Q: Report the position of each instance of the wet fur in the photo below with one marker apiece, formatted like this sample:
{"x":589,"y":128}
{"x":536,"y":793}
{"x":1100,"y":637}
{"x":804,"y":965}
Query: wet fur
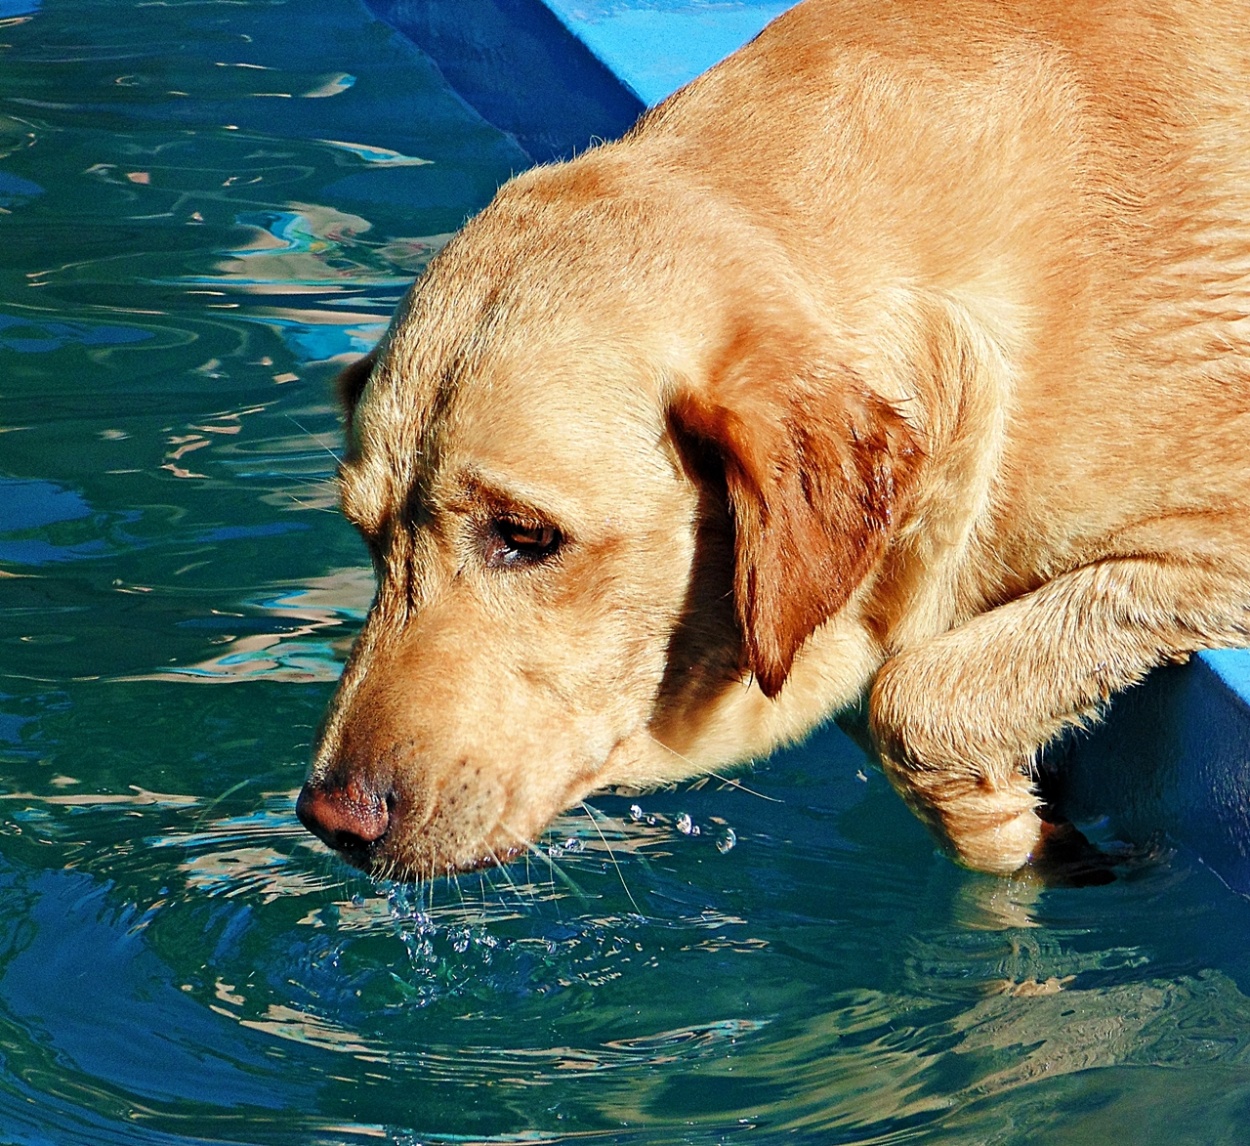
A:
{"x":903,"y":354}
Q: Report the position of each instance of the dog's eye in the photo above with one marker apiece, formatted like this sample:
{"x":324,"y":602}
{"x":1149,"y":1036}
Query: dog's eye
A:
{"x":511,"y":542}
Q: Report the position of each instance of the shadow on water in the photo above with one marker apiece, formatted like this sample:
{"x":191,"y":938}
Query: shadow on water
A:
{"x":205,"y":208}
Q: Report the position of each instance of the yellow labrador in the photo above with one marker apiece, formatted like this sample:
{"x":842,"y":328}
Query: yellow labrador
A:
{"x":905,"y":352}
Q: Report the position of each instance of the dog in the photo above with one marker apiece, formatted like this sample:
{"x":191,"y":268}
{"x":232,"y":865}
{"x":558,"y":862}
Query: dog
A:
{"x":904,"y":355}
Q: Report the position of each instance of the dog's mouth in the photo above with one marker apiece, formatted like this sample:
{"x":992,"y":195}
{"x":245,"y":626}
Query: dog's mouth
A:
{"x":392,"y":831}
{"x":482,"y":863}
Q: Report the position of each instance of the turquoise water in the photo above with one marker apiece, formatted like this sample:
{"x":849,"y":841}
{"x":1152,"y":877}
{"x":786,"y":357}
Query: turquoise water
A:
{"x":203,"y":205}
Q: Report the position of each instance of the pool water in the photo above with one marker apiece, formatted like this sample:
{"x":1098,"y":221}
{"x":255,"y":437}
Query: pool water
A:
{"x":205,"y":207}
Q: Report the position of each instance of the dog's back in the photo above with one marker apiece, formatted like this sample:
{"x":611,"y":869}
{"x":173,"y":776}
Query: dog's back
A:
{"x":1075,"y":176}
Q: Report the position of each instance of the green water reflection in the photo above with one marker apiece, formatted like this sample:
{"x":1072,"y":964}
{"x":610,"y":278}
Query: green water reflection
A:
{"x":205,"y":207}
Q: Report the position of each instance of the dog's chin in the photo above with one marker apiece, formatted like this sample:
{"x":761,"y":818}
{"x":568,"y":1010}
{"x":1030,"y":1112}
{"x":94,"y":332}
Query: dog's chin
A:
{"x":381,"y":863}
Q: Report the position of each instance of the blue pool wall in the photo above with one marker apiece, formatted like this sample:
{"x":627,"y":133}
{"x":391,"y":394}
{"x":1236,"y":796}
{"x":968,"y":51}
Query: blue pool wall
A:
{"x":1171,"y":762}
{"x":518,"y":65}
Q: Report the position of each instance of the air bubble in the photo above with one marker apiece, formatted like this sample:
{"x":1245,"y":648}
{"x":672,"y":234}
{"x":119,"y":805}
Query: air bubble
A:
{"x":635,"y":812}
{"x":685,"y":824}
{"x":727,"y":840}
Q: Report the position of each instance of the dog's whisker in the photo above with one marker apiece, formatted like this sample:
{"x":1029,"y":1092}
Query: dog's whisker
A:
{"x":317,"y":438}
{"x":455,"y":882}
{"x":500,"y":869}
{"x":553,"y":866}
{"x":205,"y":809}
{"x":491,"y":874}
{"x":590,"y":815}
{"x":730,"y":782}
{"x":310,"y":508}
{"x":727,"y":780}
{"x":672,"y":751}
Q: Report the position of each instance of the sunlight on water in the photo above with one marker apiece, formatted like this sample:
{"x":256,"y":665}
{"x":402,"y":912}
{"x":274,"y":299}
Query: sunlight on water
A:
{"x":207,"y":207}
{"x":332,"y":604}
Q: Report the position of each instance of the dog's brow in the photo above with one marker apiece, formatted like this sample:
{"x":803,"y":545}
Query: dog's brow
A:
{"x":496,"y":502}
{"x":478,"y":492}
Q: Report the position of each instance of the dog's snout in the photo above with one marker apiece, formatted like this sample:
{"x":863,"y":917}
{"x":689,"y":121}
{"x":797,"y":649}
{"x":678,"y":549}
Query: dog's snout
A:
{"x":351,"y":818}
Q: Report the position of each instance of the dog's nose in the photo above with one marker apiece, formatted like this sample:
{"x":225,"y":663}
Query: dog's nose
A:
{"x":350,"y":818}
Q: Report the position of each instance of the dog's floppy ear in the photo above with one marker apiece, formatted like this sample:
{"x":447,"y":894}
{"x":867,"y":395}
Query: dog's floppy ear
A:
{"x":349,"y":386}
{"x":351,"y":382}
{"x":815,"y":465}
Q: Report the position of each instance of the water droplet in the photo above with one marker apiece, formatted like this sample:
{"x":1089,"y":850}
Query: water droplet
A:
{"x":684,"y":824}
{"x":635,"y":812}
{"x":574,"y":846}
{"x":727,"y":840}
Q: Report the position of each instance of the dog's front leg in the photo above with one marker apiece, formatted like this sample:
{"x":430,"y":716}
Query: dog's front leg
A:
{"x":959,"y":719}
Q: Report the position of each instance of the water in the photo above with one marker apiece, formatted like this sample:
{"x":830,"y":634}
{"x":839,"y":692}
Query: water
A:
{"x":204,"y":205}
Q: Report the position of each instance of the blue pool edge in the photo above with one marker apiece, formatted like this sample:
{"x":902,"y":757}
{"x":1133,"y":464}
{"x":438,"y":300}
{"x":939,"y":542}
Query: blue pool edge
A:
{"x":1171,"y":761}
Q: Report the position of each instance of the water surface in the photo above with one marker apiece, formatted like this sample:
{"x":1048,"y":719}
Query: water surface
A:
{"x":205,"y":208}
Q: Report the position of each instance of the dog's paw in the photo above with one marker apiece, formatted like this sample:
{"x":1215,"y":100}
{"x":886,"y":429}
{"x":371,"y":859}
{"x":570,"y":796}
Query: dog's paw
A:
{"x":997,"y":837}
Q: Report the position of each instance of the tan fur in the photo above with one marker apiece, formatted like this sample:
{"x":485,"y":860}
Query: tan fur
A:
{"x":905,"y":352}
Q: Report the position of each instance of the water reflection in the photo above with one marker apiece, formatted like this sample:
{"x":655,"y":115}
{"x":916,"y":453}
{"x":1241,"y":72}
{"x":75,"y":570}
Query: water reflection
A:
{"x":29,"y":335}
{"x":1011,"y":999}
{"x":308,"y":633}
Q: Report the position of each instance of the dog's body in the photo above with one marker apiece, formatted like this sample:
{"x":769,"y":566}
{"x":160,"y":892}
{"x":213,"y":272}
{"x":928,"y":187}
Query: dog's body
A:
{"x":907,"y":350}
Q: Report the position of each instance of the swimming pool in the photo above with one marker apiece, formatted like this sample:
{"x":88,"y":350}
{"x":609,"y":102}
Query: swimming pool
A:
{"x":204,"y":206}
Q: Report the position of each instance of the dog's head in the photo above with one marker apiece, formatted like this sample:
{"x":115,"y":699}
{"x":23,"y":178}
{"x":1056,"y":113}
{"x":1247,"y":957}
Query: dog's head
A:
{"x":611,"y":484}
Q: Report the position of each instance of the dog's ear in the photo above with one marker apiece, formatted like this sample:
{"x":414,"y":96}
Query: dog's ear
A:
{"x":815,"y":465}
{"x":351,"y":383}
